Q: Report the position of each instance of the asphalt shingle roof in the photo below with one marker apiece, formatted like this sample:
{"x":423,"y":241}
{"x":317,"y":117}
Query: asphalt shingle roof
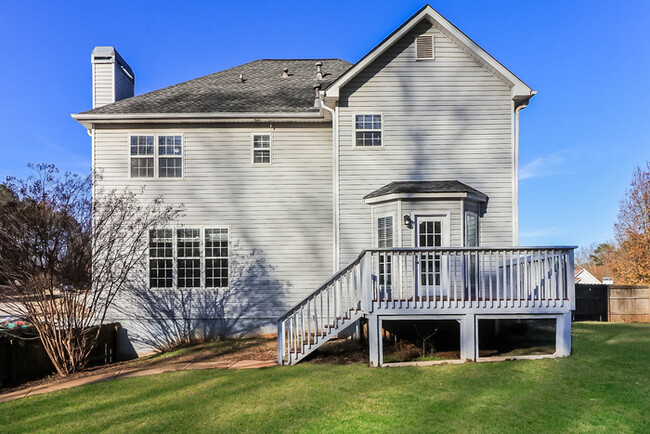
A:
{"x":452,"y":186}
{"x":263,"y":90}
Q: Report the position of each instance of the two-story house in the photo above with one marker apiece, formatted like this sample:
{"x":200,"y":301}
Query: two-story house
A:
{"x":324,"y":193}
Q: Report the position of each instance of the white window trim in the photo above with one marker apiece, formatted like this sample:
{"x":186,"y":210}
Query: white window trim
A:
{"x":131,"y":157}
{"x":148,"y":259}
{"x":156,"y":155}
{"x":271,"y":148}
{"x":478,"y":232}
{"x":433,"y":48}
{"x":354,"y":131}
{"x":202,"y":258}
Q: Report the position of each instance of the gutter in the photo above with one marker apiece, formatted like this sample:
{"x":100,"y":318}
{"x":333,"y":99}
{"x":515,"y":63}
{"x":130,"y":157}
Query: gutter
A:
{"x":87,"y":119}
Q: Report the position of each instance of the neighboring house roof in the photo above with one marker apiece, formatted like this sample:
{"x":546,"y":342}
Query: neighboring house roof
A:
{"x":584,"y":276}
{"x":414,"y":188}
{"x":262,"y":91}
{"x":521,"y":92}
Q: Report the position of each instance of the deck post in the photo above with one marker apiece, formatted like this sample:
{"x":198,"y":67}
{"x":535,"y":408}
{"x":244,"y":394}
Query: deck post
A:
{"x":571,"y":284}
{"x":374,"y":339}
{"x":468,"y":342}
{"x":365,"y":269}
{"x":563,"y":335}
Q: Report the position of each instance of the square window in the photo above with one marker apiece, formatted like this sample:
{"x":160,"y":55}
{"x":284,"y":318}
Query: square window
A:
{"x":142,"y":167}
{"x":368,"y":130}
{"x":170,"y":167}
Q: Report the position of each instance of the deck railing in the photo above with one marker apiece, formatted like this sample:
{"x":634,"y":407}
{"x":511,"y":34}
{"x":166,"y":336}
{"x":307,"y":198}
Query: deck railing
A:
{"x":477,"y":278}
{"x":429,"y":280}
{"x":334,"y":305}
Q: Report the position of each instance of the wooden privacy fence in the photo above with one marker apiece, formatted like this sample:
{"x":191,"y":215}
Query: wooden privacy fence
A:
{"x":629,"y":304}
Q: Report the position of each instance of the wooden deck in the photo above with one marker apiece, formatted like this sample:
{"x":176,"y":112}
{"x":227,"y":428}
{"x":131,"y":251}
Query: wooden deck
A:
{"x":460,"y":283}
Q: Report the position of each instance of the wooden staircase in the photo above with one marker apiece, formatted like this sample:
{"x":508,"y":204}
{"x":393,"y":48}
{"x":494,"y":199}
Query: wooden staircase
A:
{"x":322,"y":315}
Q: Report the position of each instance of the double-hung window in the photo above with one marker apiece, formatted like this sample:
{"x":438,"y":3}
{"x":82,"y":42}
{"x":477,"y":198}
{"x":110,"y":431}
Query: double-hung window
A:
{"x":188,"y":244}
{"x":161,"y":258}
{"x":367,"y":130}
{"x":142,"y":157}
{"x":170,"y":156}
{"x":162,"y":161}
{"x":261,"y":149}
{"x":216,"y":258}
{"x":188,"y":258}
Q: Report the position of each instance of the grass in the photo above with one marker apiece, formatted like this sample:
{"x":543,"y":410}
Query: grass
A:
{"x":604,"y":387}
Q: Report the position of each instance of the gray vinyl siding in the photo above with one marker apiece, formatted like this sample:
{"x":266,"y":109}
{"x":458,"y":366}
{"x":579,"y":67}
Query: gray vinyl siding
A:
{"x":103,"y":79}
{"x":279,"y":215}
{"x":123,"y":84}
{"x":447,"y":118}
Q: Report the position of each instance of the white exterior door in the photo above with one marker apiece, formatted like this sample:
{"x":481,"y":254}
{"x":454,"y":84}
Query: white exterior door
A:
{"x":431,"y":231}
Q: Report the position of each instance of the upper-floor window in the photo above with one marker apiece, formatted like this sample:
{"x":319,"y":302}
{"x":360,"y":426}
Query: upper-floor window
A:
{"x":367,"y":130}
{"x":261,"y":149}
{"x":170,"y":156}
{"x":164,"y":160}
{"x":142,"y":157}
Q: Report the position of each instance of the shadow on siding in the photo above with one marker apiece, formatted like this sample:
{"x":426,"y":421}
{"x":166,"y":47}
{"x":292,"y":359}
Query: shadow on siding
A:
{"x":157,"y":319}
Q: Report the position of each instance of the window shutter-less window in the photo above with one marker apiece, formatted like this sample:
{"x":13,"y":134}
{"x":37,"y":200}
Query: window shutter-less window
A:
{"x":424,"y":47}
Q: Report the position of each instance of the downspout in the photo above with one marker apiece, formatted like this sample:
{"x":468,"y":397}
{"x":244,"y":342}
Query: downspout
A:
{"x":335,"y":183}
{"x":515,"y":163}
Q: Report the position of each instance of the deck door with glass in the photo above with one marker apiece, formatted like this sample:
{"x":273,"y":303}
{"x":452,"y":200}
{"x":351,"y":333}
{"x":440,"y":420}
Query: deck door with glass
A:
{"x":431,"y":232}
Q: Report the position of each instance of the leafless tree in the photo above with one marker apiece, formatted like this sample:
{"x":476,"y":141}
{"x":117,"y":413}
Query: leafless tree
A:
{"x":64,"y":257}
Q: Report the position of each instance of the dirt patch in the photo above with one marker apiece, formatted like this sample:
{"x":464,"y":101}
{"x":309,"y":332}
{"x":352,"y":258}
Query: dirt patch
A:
{"x":340,"y":352}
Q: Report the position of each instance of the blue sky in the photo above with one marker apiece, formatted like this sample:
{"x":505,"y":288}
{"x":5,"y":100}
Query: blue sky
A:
{"x":581,"y":137}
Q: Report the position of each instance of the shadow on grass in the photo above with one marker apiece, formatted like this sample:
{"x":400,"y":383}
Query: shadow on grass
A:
{"x":582,"y":392}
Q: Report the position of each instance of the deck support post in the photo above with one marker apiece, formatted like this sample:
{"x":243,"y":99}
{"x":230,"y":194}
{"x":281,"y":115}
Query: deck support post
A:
{"x":374,"y":340}
{"x":563,"y":335}
{"x":468,"y":337}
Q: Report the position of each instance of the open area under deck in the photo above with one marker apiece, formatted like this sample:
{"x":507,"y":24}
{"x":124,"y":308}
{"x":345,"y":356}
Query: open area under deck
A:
{"x":462,"y":284}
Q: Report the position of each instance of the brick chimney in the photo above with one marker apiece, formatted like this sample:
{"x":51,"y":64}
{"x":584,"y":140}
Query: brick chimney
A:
{"x":113,"y":78}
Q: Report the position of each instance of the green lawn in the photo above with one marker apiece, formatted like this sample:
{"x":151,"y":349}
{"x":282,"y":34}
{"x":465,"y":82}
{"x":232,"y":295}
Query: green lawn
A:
{"x":604,"y":386}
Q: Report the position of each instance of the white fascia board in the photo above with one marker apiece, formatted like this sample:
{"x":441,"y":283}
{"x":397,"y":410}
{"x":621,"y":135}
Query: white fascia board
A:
{"x":519,"y":89}
{"x":406,"y":196}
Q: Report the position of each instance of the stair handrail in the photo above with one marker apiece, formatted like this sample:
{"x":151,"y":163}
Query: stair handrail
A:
{"x":324,"y":285}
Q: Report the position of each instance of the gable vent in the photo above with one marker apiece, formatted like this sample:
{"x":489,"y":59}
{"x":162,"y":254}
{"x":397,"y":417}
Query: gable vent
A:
{"x":424,"y":47}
